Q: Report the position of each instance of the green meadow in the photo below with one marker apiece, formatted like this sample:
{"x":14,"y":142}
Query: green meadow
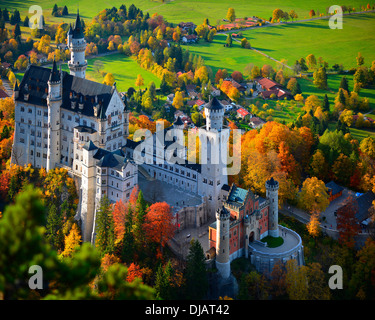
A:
{"x":234,"y":58}
{"x":185,"y":10}
{"x":295,"y":40}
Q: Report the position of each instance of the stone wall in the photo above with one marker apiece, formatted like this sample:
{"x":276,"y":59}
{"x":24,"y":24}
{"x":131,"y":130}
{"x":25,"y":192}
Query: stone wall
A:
{"x":192,"y":216}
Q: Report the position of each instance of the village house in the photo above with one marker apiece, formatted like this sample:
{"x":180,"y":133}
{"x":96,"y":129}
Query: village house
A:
{"x":272,"y":89}
{"x":190,"y":38}
{"x":334,"y":190}
{"x":256,"y":122}
{"x":186,"y":26}
{"x":243,"y":113}
{"x":227,"y":105}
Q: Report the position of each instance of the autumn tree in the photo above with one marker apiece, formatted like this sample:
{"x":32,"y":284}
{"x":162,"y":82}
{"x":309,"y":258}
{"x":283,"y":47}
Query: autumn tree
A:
{"x":254,"y":286}
{"x":362,"y":282}
{"x":320,"y":78}
{"x":317,"y":283}
{"x":277,"y":14}
{"x":318,"y":165}
{"x":139,"y":82}
{"x":114,"y":286}
{"x":178,"y":100}
{"x":72,"y":241}
{"x":119,"y":218}
{"x":347,"y":223}
{"x":159,"y":224}
{"x":296,"y":280}
{"x":313,"y":227}
{"x":278,"y":280}
{"x":109,"y":79}
{"x":231,"y":15}
{"x":313,"y":196}
{"x":360,"y":59}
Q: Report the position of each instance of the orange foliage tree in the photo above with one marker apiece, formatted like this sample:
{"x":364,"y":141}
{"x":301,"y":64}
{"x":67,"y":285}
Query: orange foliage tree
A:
{"x":159,"y":224}
{"x":347,"y":223}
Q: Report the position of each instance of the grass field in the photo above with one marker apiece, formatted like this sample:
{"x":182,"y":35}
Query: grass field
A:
{"x":235,"y":58}
{"x":293,"y":41}
{"x":184,"y":10}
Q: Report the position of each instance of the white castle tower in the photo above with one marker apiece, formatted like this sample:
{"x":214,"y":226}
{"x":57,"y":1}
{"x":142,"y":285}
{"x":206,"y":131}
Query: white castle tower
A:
{"x":272,"y":194}
{"x":222,"y":242}
{"x":77,"y":46}
{"x":214,"y":138}
{"x":54,"y":101}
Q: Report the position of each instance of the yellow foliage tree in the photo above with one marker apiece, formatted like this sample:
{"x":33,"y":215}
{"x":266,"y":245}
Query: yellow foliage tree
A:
{"x":313,"y":227}
{"x":72,"y":240}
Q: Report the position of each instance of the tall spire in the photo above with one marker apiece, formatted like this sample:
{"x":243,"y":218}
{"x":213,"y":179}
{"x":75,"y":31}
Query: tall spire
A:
{"x":78,"y":30}
{"x":54,"y":76}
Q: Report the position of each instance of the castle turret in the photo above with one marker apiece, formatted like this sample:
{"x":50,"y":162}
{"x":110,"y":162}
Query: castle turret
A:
{"x":222,"y":242}
{"x":77,"y":46}
{"x":178,"y":124}
{"x":272,"y":193}
{"x":214,"y":112}
{"x":54,"y":101}
{"x":16,"y":90}
{"x":213,"y":154}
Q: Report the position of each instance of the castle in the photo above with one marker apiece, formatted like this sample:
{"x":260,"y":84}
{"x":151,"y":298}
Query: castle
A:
{"x":245,"y":218}
{"x":64,"y":120}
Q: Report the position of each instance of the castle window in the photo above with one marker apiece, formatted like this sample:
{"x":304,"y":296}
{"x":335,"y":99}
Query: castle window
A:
{"x":38,"y":154}
{"x":211,"y":183}
{"x":22,"y":140}
{"x":30,"y":110}
{"x":22,"y":109}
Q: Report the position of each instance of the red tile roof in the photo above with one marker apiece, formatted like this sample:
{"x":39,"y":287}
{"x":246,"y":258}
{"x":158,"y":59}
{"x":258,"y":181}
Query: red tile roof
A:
{"x":3,"y":94}
{"x":243,"y":112}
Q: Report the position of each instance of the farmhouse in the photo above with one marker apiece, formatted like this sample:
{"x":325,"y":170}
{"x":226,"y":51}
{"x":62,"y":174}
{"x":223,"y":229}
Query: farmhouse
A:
{"x":242,"y":113}
{"x":190,"y":38}
{"x":186,"y":26}
{"x":334,"y":190}
{"x":256,"y":122}
{"x":272,"y":89}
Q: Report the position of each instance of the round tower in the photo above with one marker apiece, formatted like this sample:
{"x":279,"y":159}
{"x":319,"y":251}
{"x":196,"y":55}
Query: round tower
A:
{"x":214,"y":112}
{"x":77,"y":46}
{"x":272,"y":194}
{"x":222,"y":242}
{"x":54,"y":101}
